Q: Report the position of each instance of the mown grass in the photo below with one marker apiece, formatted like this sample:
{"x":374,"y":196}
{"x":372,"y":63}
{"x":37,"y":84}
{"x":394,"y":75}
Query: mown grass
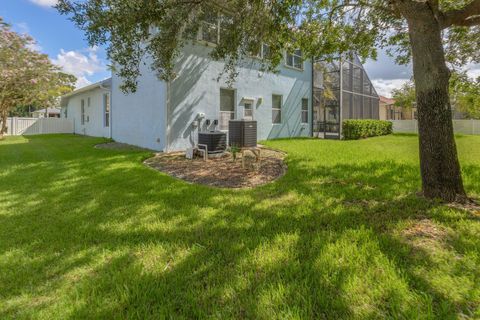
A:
{"x":89,"y":233}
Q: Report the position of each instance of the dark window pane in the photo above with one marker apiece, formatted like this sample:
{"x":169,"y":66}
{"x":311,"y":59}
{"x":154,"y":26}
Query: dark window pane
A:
{"x":304,"y":111}
{"x":276,"y":101}
{"x":276,"y":108}
{"x":276,"y":116}
{"x":227,"y":100}
{"x":210,"y":27}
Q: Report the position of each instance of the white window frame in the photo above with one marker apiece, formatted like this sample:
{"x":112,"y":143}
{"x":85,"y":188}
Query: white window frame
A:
{"x":216,"y":25}
{"x":106,"y":109}
{"x":303,"y":111}
{"x":294,"y":56}
{"x":261,"y":54}
{"x":232,"y":116}
{"x":245,"y":115}
{"x":82,"y":112}
{"x":277,"y":109}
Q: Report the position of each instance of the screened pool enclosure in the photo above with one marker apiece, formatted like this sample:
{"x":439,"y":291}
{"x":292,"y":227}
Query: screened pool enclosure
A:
{"x":341,"y":90}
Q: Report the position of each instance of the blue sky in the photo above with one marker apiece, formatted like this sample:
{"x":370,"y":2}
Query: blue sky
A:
{"x":66,"y":45}
{"x":58,"y":37}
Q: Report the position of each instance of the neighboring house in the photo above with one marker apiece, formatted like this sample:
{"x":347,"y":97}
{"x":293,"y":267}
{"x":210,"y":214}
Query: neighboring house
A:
{"x":389,"y":111}
{"x":46,"y":113}
{"x":167,"y":115}
{"x":89,"y":109}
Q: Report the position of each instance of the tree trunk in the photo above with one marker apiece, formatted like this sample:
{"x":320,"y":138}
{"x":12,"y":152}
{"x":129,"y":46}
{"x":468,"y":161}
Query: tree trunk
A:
{"x":3,"y":127}
{"x":440,"y":168}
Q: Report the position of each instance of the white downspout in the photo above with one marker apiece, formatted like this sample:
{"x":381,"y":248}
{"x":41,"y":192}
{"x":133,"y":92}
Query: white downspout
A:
{"x":167,"y":120}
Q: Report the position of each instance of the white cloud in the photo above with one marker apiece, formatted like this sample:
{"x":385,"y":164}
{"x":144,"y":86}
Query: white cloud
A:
{"x":45,"y":3}
{"x":384,"y":87}
{"x":80,"y":63}
{"x":473,"y":70}
{"x":386,"y":75}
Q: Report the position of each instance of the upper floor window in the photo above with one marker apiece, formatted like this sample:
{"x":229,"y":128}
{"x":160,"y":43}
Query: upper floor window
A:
{"x":294,"y":60}
{"x":262,"y":53}
{"x":210,"y":28}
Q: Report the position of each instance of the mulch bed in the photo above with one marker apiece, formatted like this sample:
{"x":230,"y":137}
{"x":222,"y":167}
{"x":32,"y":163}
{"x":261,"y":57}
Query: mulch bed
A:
{"x":223,"y":171}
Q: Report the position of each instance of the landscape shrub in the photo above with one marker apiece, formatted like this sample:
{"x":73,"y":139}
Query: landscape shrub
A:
{"x":359,"y":129}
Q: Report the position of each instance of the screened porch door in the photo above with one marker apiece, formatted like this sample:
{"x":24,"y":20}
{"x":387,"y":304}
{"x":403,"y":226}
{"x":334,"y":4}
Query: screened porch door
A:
{"x":326,"y":116}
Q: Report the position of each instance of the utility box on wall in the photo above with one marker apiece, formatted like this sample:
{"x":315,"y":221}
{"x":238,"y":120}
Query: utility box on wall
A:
{"x":242,"y":133}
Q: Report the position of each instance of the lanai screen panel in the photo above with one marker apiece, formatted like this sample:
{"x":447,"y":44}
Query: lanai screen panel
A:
{"x":360,"y":100}
{"x":326,"y":94}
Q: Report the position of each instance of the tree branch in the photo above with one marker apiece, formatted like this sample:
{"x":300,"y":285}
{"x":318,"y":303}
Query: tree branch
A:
{"x":466,"y":17}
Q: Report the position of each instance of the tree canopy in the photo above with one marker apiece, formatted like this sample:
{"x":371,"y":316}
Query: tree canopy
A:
{"x":27,"y":77}
{"x":132,"y":29}
{"x":464,"y":94}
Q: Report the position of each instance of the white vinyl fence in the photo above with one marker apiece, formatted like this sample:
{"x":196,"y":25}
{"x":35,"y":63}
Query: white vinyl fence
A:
{"x":29,"y":126}
{"x":459,"y":126}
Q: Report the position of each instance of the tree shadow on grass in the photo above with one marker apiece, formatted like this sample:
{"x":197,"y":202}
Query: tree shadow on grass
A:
{"x":107,"y":237}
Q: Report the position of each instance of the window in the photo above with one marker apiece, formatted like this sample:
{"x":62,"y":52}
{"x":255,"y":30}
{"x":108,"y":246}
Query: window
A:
{"x":294,"y":60}
{"x":106,"y":109}
{"x":248,"y":110}
{"x":212,"y":26}
{"x":276,"y":108}
{"x":304,"y":110}
{"x":227,"y":107}
{"x":66,"y":112}
{"x":209,"y":29}
{"x":82,"y":111}
{"x":262,"y":53}
{"x":88,"y":102}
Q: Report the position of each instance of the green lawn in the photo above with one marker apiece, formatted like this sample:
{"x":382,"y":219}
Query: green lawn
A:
{"x":88,"y":233}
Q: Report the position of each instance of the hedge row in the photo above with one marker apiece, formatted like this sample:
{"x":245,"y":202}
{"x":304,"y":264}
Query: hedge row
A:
{"x":358,"y":129}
